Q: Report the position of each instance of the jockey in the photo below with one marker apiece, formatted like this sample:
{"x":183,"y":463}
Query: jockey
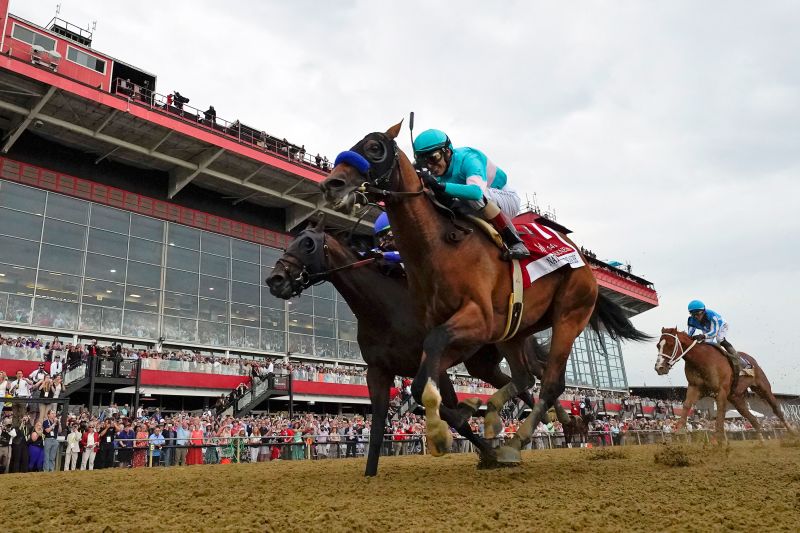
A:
{"x":384,"y":239}
{"x":468,"y":175}
{"x":714,"y":328}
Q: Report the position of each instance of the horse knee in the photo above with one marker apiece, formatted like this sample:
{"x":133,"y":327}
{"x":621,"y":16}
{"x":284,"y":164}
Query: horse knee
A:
{"x":551,"y":391}
{"x":417,"y":387}
{"x":436,"y":341}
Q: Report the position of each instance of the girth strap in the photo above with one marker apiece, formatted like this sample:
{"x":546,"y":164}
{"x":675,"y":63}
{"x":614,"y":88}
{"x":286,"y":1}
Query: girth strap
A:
{"x":515,"y":302}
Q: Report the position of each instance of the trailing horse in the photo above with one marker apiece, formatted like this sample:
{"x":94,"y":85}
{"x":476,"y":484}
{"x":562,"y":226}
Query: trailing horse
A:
{"x":462,"y":289}
{"x":389,"y":333}
{"x":709,"y":373}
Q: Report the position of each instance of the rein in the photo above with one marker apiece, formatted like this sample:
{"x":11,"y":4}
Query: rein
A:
{"x":675,"y":357}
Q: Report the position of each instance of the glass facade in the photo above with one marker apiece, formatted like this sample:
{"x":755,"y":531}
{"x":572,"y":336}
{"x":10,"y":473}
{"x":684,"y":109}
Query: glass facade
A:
{"x":83,"y":267}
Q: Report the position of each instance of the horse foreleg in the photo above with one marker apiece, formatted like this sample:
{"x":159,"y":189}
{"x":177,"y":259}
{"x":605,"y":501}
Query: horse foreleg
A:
{"x":378,"y":382}
{"x":459,"y":420}
{"x":692,"y":395}
{"x":722,"y":403}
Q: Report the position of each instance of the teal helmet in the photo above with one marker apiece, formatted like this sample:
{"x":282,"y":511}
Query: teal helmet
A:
{"x":430,"y":140}
{"x":382,"y":224}
{"x":696,"y":305}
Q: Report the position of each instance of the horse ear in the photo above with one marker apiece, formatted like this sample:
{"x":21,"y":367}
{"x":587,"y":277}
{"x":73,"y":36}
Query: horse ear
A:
{"x":663,"y":330}
{"x":318,"y":221}
{"x":394,"y":131}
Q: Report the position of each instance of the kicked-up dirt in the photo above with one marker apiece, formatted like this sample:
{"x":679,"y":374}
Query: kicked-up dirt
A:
{"x":745,"y":487}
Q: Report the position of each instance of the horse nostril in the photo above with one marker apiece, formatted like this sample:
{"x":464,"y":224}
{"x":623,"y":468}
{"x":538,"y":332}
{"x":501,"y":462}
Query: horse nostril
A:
{"x":335,"y":183}
{"x":274,"y":280}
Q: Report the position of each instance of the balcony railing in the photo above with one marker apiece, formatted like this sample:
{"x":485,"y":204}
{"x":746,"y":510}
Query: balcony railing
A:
{"x":258,"y":139}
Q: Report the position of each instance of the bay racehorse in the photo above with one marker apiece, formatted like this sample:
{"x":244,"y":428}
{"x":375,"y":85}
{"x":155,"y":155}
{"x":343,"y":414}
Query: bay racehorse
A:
{"x":462,"y":290}
{"x":709,"y":373}
{"x":389,"y":333}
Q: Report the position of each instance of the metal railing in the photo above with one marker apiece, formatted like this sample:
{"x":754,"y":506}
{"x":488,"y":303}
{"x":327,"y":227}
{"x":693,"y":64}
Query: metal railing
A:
{"x":176,"y":365}
{"x":23,"y":353}
{"x":240,"y":449}
{"x":259,"y":140}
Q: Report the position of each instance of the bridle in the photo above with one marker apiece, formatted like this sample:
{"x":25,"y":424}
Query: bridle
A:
{"x":306,"y":278}
{"x":670,"y":361}
{"x":378,"y":168}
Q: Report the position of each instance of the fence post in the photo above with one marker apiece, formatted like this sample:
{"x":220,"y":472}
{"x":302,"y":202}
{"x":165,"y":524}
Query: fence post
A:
{"x":638,"y":438}
{"x":151,"y":455}
{"x":238,"y":454}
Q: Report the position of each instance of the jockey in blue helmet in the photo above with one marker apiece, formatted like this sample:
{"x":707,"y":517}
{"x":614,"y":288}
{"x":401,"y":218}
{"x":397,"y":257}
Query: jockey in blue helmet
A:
{"x":468,"y":175}
{"x":714,"y":329}
{"x":384,"y":239}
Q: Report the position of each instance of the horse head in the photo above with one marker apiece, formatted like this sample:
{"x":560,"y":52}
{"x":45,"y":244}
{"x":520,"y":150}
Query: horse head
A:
{"x":670,"y":349}
{"x":302,"y":264}
{"x":370,"y":163}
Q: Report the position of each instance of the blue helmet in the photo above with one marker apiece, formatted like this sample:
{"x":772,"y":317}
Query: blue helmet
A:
{"x":382,"y":224}
{"x":430,"y":140}
{"x":696,"y":305}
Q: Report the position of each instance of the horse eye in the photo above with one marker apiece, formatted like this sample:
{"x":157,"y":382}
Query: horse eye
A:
{"x":375,"y":151}
{"x":308,"y":244}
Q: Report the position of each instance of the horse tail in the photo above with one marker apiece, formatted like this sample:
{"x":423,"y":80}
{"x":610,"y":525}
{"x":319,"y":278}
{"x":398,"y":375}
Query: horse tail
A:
{"x":611,"y":317}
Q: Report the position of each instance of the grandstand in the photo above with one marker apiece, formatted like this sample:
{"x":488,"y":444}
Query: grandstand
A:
{"x":130,"y":217}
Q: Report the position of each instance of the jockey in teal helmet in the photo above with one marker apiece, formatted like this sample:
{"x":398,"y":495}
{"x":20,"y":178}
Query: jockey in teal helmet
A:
{"x":384,"y":239}
{"x":714,"y":329}
{"x":468,"y":175}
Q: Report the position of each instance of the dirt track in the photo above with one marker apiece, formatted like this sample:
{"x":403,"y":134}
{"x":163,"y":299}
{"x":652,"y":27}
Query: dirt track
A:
{"x":755,"y":488}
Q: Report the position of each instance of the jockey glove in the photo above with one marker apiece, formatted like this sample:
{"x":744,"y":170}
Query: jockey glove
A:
{"x":699,"y":338}
{"x":431,"y":182}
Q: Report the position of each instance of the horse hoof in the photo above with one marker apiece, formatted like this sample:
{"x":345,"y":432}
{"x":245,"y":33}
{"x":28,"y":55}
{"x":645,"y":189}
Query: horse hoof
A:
{"x":508,"y":456}
{"x":471,"y":404}
{"x":492,"y":425}
{"x":440,"y":440}
{"x":488,"y":462}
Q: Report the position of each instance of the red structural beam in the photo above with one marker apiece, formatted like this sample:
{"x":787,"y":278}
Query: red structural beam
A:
{"x":624,"y":286}
{"x":162,"y":119}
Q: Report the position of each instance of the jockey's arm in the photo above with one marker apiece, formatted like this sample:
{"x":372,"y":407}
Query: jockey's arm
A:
{"x":475,"y":183}
{"x":716,"y":323}
{"x":392,"y":257}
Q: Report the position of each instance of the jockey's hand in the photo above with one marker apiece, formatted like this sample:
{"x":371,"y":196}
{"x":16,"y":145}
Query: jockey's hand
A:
{"x":430,"y":181}
{"x":699,"y":338}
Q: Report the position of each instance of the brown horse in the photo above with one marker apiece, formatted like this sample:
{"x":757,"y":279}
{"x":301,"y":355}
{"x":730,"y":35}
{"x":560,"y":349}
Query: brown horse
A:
{"x":389,"y":334}
{"x":462,"y":291}
{"x":709,"y":373}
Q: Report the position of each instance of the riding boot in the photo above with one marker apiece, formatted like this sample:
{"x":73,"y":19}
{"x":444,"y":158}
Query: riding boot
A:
{"x":733,"y":355}
{"x":505,"y":227}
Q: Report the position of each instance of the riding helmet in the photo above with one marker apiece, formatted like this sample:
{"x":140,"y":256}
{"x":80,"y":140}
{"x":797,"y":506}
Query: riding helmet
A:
{"x":430,"y":140}
{"x":696,"y":305}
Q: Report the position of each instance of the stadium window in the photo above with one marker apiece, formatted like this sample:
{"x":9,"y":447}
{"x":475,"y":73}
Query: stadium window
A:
{"x":21,"y":33}
{"x":86,"y":60}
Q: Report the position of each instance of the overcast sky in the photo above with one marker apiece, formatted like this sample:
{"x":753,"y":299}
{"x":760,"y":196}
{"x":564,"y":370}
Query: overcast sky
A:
{"x":666,"y":134}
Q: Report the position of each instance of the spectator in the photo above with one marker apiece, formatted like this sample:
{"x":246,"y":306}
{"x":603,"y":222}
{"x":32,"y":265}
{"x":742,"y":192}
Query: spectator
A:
{"x":50,"y":428}
{"x":195,"y":455}
{"x":210,"y":116}
{"x":20,"y":388}
{"x":156,"y":444}
{"x":35,"y":449}
{"x":182,"y":434}
{"x":209,"y":439}
{"x":107,"y":434}
{"x":73,"y":448}
{"x":140,"y":448}
{"x":56,"y":367}
{"x":169,"y":434}
{"x":89,"y":443}
{"x":124,"y":443}
{"x":5,"y":445}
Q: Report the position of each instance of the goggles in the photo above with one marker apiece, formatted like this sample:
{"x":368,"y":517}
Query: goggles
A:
{"x":432,"y":158}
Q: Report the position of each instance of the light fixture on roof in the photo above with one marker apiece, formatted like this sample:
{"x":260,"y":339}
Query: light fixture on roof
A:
{"x":113,"y":271}
{"x":108,"y":291}
{"x":135,"y":296}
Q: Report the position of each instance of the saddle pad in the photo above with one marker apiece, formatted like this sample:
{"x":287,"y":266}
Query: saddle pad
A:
{"x":549,"y":252}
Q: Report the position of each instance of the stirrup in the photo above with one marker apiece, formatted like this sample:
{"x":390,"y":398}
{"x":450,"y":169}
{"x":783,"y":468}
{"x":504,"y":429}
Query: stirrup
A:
{"x":518,"y":251}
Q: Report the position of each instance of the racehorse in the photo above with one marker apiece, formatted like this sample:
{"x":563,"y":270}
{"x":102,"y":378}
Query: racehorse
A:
{"x":709,"y":373}
{"x":389,"y":333}
{"x":463,"y":290}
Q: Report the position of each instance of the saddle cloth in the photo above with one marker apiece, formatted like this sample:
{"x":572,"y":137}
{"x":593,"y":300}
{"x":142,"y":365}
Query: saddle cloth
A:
{"x":549,"y":252}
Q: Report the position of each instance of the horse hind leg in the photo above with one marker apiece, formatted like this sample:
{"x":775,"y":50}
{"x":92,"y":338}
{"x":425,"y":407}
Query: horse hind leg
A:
{"x":762,"y":387}
{"x":741,"y":405}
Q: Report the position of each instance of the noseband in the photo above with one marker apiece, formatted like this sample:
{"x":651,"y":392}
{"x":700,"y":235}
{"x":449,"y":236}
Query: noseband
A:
{"x":675,"y":357}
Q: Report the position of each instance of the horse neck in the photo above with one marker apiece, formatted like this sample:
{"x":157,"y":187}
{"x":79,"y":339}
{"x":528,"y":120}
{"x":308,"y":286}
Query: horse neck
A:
{"x":365,"y":289}
{"x":417,"y":226}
